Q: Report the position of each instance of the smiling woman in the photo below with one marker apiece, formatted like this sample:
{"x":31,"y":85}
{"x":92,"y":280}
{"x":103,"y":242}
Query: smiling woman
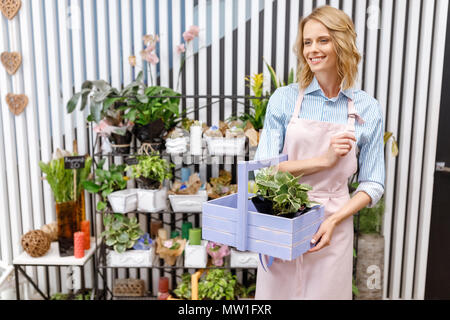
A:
{"x":317,"y":124}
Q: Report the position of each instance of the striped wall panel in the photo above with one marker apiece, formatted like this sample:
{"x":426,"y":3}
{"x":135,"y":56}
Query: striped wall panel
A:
{"x":66,"y":42}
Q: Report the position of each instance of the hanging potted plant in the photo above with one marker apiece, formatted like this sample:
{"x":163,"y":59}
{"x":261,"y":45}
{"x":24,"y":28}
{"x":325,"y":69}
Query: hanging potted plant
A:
{"x":150,"y":173}
{"x":281,"y":194}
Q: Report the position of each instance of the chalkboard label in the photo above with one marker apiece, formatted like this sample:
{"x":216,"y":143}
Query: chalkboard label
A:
{"x":74,"y":162}
{"x":131,"y":161}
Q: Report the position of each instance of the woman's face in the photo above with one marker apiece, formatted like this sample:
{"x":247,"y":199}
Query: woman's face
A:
{"x":318,"y":49}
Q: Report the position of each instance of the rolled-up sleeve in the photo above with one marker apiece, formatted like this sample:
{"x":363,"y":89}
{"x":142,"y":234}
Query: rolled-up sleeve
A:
{"x":371,"y":159}
{"x":271,"y":141}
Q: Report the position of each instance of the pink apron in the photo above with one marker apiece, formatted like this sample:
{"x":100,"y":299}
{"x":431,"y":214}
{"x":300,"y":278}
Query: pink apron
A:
{"x":326,"y":274}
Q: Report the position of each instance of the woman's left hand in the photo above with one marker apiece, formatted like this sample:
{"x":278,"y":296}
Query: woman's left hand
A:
{"x":324,"y":234}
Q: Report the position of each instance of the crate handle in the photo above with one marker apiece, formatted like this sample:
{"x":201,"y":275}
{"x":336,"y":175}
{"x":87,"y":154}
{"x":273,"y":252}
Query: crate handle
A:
{"x":243,"y":168}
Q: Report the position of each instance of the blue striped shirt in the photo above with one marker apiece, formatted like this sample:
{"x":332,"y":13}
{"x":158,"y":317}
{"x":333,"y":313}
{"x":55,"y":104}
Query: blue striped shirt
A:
{"x":316,"y":106}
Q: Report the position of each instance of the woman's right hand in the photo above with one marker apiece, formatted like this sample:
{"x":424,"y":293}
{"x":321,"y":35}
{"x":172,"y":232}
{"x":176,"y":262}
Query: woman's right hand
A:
{"x":340,"y":146}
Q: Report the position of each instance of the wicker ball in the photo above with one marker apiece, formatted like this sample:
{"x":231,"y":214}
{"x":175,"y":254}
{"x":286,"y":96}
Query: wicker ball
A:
{"x":51,"y":230}
{"x":36,"y":243}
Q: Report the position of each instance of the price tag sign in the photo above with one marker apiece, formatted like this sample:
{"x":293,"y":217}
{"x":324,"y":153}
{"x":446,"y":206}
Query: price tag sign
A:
{"x":131,"y":161}
{"x":74,"y":162}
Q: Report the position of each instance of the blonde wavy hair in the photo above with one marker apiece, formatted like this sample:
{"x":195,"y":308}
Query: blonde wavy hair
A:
{"x":343,"y":37}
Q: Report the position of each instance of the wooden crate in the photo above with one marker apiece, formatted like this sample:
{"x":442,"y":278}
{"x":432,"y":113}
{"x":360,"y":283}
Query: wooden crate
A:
{"x":233,"y":220}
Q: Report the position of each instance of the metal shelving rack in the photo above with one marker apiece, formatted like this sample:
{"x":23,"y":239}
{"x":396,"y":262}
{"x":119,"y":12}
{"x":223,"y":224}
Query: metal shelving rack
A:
{"x":100,"y":256}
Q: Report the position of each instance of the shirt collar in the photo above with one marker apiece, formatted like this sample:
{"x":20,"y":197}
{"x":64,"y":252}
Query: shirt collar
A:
{"x":314,"y":86}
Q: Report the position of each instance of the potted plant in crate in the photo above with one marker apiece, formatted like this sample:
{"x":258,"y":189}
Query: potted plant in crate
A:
{"x":150,"y":173}
{"x":280,"y":193}
{"x":107,"y":109}
{"x":122,"y":234}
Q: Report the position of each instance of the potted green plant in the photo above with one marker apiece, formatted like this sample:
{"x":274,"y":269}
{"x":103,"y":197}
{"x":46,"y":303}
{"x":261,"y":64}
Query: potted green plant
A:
{"x":218,"y":284}
{"x":69,"y":199}
{"x":108,"y":106}
{"x":121,"y":235}
{"x":246,"y":293}
{"x":153,"y":112}
{"x":150,"y":173}
{"x":107,"y":182}
{"x":280,"y":193}
{"x":184,"y":288}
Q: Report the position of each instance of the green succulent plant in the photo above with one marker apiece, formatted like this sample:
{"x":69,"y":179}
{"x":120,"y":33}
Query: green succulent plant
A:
{"x":284,"y":190}
{"x":121,"y":232}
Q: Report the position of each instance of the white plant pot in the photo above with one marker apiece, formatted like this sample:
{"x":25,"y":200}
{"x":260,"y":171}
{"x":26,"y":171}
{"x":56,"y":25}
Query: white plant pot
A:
{"x":226,"y":147}
{"x":177,"y":145}
{"x":195,"y":256}
{"x":243,"y":259}
{"x":152,"y":200}
{"x":131,"y":258}
{"x":188,"y":203}
{"x":123,"y":201}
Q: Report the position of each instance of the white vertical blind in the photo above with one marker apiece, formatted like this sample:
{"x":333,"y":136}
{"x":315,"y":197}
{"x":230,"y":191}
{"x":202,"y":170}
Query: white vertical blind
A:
{"x":64,"y":42}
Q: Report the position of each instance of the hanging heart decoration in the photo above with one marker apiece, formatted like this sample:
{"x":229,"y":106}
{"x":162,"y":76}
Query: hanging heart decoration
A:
{"x":11,"y":61}
{"x":10,"y":8}
{"x":16,"y":103}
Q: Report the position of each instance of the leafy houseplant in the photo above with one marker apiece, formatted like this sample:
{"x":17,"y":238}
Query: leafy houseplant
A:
{"x":106,"y":182}
{"x":61,"y":180}
{"x":151,"y":171}
{"x":106,"y":107}
{"x":184,"y":288}
{"x":121,"y":232}
{"x":70,"y":208}
{"x":280,"y":193}
{"x":157,"y":109}
{"x":257,"y":113}
{"x":218,"y":284}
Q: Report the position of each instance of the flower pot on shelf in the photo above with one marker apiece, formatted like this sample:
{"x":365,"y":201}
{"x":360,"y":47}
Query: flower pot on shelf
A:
{"x":177,"y":145}
{"x":147,"y":133}
{"x":188,"y":203}
{"x":195,"y":255}
{"x":243,"y":259}
{"x":123,"y":201}
{"x":151,"y":200}
{"x":131,"y":258}
{"x":121,"y":144}
{"x":226,"y":146}
{"x":225,"y":218}
{"x":147,"y":184}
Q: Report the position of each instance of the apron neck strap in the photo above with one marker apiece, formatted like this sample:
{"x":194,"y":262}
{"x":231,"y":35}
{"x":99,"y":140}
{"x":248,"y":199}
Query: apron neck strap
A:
{"x":352,"y":114}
